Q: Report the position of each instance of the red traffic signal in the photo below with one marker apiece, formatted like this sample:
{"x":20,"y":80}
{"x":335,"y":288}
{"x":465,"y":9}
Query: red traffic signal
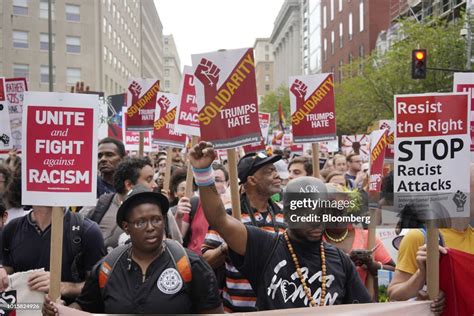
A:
{"x":418,"y":64}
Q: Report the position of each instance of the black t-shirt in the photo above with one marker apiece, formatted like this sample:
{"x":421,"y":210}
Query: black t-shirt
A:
{"x":278,"y":286}
{"x":29,"y":248}
{"x":125,"y":291}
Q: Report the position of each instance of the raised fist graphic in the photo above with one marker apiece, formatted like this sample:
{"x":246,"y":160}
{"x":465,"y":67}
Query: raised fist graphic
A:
{"x":164,"y":103}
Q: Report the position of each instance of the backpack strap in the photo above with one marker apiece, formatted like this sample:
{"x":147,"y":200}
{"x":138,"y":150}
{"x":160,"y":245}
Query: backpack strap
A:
{"x":77,"y":233}
{"x":181,"y":261}
{"x":102,"y":206}
{"x":194,"y":206}
{"x":108,"y":265}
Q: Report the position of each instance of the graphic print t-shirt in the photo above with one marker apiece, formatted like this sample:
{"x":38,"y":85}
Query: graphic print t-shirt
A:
{"x":278,"y":286}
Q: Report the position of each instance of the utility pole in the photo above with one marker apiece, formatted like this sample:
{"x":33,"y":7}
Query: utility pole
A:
{"x":50,"y":46}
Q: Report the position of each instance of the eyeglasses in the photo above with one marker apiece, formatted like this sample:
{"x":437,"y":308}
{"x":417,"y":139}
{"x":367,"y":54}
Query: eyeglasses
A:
{"x":142,"y":223}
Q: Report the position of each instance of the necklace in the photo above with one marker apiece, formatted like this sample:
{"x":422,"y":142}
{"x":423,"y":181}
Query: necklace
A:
{"x":300,"y":274}
{"x":344,"y":236}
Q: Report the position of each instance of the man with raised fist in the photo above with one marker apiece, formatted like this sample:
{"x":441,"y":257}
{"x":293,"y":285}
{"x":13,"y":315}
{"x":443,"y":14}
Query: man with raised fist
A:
{"x":293,"y":269}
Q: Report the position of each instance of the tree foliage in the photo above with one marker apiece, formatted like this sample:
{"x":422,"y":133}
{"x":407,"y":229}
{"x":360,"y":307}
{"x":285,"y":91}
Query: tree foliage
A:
{"x":367,"y":91}
{"x":272,"y":99}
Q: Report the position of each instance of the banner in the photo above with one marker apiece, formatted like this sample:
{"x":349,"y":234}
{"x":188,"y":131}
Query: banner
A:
{"x":115,"y":108}
{"x":187,"y":113}
{"x":312,"y":108}
{"x":14,"y":89}
{"x":432,"y":153}
{"x":464,"y":82}
{"x":5,"y":130}
{"x":378,"y":146}
{"x":141,"y":102}
{"x":226,"y":95}
{"x":389,"y":125}
{"x":358,"y":144}
{"x":131,"y":140}
{"x":59,"y":165}
{"x":163,"y":129}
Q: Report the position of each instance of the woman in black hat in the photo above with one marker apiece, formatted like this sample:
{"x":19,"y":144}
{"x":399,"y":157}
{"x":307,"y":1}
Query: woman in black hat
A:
{"x":150,"y":274}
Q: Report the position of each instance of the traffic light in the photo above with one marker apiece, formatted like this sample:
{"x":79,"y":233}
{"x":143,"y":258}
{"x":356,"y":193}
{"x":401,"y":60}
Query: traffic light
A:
{"x":418,"y":64}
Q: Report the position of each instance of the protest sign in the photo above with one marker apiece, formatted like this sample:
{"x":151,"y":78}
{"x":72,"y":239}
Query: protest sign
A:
{"x":312,"y":108}
{"x":432,"y":154}
{"x":115,"y":108}
{"x":5,"y":130}
{"x":358,"y":144}
{"x":378,"y":146}
{"x":59,"y":165}
{"x":141,"y":102}
{"x":131,"y":140}
{"x":389,"y":125}
{"x":226,"y":96}
{"x":186,"y":121}
{"x":163,"y":128}
{"x":264,"y":119}
{"x":464,"y":82}
{"x":329,"y":146}
{"x":14,"y":90}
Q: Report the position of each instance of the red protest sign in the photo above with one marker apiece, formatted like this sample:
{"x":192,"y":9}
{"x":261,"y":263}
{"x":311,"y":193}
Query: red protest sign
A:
{"x":226,"y":95}
{"x":389,"y":125}
{"x":60,"y":149}
{"x":464,"y":82}
{"x":165,"y":114}
{"x":378,"y":146}
{"x":187,"y":113}
{"x":312,"y":108}
{"x":131,"y":139}
{"x":141,"y":101}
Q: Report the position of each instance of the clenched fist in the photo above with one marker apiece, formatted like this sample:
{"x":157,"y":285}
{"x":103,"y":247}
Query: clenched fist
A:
{"x":202,"y":155}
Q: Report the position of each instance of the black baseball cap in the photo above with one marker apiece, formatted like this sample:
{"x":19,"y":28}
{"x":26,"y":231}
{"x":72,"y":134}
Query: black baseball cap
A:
{"x":251,"y":162}
{"x":140,"y":194}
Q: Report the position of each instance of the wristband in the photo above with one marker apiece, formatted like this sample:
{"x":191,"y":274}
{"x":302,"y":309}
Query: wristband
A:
{"x":203,"y":177}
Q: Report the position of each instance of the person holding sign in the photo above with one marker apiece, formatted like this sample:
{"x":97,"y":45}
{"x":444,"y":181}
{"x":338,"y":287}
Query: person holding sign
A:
{"x":26,"y":244}
{"x":294,"y":269}
{"x":150,"y":275}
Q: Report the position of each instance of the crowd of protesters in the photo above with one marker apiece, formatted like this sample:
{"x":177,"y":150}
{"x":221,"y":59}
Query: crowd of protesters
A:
{"x":144,"y":249}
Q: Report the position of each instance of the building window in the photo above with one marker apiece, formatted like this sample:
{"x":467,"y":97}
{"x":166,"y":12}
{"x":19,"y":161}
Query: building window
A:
{"x":21,"y":70}
{"x":267,"y":87}
{"x":267,"y":67}
{"x":267,"y":57}
{"x":325,"y":48}
{"x":110,"y":31}
{"x":44,"y":74}
{"x":44,"y":9}
{"x":340,"y":5}
{"x":332,"y":9}
{"x":20,"y":39}
{"x":113,"y":10}
{"x":267,"y":48}
{"x":106,"y":81}
{"x":44,"y":41}
{"x":167,"y":72}
{"x":73,"y":75}
{"x":332,"y":42}
{"x":350,"y":65}
{"x":361,"y":16}
{"x":104,"y":30}
{"x":361,"y":51}
{"x":20,"y":7}
{"x":341,"y":35}
{"x":110,"y":57}
{"x":73,"y":44}
{"x":350,"y":26}
{"x":267,"y":78}
{"x":167,"y":84}
{"x":105,"y":54}
{"x":73,"y":13}
{"x":324,"y":17}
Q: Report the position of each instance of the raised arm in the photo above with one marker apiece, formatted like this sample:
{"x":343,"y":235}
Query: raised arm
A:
{"x":232,"y":230}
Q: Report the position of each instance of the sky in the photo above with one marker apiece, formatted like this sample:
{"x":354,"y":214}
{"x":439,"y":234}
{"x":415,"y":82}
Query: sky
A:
{"x":200,"y":26}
